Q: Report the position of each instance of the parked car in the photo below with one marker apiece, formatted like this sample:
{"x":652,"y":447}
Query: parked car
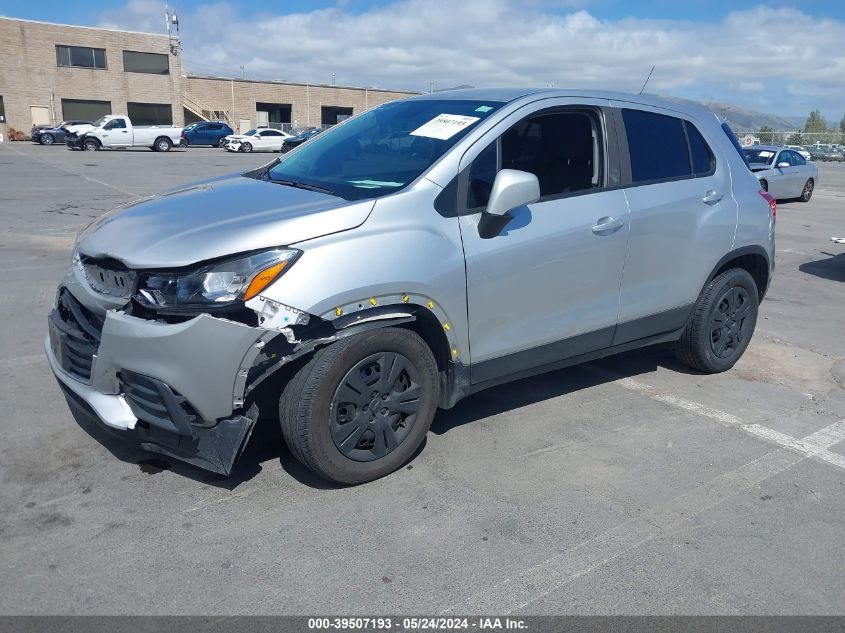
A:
{"x":826,"y":153}
{"x":258,"y":140}
{"x":782,"y":172}
{"x":206,"y":133}
{"x":299,"y":137}
{"x":354,"y":286}
{"x":801,"y":150}
{"x":48,"y":134}
{"x":116,"y":131}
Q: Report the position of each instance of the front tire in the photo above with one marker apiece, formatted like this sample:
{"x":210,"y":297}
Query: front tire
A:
{"x":90,"y":145}
{"x":246,"y":148}
{"x":362,"y":406}
{"x":46,"y":139}
{"x":807,"y":193}
{"x":722,"y":324}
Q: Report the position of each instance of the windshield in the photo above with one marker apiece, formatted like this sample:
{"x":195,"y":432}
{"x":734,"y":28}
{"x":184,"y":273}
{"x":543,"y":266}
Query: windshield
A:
{"x":99,"y":121}
{"x":759,"y":156}
{"x":251,"y":133}
{"x":383,"y":150}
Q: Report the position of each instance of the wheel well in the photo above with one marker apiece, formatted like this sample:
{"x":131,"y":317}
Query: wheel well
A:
{"x":162,"y":137}
{"x":755,"y":264}
{"x":428,"y":326}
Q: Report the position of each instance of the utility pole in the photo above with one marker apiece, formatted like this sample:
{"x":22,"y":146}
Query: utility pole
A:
{"x":431,"y":86}
{"x":332,"y":78}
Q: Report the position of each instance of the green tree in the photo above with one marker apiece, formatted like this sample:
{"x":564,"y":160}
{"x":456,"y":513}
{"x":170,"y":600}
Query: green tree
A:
{"x":767,"y":135}
{"x":816,"y":126}
{"x":815,"y":123}
{"x":842,"y":126}
{"x":794,"y":139}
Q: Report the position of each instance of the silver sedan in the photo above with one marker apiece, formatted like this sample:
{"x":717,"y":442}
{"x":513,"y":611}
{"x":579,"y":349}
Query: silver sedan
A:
{"x":783,"y":172}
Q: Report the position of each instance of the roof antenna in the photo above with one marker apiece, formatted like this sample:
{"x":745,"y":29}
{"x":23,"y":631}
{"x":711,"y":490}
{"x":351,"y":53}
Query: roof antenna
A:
{"x":646,"y":79}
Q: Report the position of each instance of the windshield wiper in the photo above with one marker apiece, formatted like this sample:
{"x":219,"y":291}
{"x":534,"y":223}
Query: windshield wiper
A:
{"x":302,"y":185}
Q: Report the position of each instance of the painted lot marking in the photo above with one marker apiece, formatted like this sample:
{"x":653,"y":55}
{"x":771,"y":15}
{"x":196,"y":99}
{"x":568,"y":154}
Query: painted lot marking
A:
{"x":537,"y":581}
{"x":815,"y":445}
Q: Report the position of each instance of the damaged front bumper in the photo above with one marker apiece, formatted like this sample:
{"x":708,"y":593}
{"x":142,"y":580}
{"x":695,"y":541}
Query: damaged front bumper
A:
{"x":178,"y":387}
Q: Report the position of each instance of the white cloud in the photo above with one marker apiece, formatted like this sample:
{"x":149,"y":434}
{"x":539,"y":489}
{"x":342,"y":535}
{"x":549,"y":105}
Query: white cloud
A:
{"x":518,"y":42}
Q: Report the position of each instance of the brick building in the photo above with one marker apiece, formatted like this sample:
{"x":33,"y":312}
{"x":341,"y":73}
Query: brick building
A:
{"x":56,"y":72}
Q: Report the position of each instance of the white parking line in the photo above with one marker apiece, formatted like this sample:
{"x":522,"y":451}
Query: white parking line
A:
{"x":537,"y":581}
{"x":815,"y":445}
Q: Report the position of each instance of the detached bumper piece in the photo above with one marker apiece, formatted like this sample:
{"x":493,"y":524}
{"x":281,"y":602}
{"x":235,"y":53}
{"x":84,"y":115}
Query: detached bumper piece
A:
{"x":169,"y":425}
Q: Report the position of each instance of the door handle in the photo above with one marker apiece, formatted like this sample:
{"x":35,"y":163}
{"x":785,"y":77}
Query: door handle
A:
{"x":607,"y":226}
{"x":711,"y":197}
{"x":126,"y":131}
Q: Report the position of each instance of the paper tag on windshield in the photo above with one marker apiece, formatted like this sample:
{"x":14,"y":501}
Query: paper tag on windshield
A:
{"x":765,"y":154}
{"x":444,"y":126}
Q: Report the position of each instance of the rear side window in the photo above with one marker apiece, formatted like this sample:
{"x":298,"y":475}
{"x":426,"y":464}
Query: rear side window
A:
{"x":657,"y":145}
{"x":702,"y":158}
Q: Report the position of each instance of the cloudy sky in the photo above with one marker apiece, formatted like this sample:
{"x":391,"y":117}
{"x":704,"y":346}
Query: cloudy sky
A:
{"x":779,"y":57}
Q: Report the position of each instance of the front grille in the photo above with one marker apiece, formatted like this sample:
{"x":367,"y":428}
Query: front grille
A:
{"x":74,"y":335}
{"x":153,"y":401}
{"x":109,"y":280}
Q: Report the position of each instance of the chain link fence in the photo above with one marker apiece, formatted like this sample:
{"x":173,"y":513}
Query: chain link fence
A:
{"x":789,"y":137}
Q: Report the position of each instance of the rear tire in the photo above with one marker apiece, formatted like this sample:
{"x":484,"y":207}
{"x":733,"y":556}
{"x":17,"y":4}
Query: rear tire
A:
{"x":361,"y":407}
{"x":722,"y":324}
{"x":807,"y":193}
{"x":46,"y":139}
{"x":162,"y":144}
{"x":221,"y":141}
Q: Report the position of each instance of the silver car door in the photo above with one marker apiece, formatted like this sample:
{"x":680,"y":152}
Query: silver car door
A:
{"x":547,"y":286}
{"x":683,"y":220}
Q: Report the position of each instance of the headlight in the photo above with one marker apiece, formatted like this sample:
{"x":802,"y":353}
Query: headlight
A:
{"x":216,"y":285}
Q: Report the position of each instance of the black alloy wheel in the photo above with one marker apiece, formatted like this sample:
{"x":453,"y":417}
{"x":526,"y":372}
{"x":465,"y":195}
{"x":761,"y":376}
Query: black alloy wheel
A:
{"x":375,"y":406}
{"x":728,"y":325}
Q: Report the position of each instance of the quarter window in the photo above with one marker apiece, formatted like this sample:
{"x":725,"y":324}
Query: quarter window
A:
{"x":657,"y":145}
{"x":702,"y":158}
{"x":560,"y":148}
{"x":80,"y":57}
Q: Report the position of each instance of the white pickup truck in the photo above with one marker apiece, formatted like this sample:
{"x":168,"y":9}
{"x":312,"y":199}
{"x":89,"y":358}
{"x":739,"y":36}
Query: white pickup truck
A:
{"x":116,"y":130}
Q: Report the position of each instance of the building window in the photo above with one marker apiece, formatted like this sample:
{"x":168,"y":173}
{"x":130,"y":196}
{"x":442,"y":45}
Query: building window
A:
{"x":151,"y":63}
{"x":84,"y":109}
{"x":80,"y":57}
{"x":150,"y":113}
{"x":332,"y":115}
{"x":2,"y":110}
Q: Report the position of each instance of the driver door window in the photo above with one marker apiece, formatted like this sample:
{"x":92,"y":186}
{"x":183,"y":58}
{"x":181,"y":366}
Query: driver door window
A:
{"x":560,"y":148}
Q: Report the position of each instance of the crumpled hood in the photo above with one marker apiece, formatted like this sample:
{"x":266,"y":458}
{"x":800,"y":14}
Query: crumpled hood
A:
{"x":216,"y":218}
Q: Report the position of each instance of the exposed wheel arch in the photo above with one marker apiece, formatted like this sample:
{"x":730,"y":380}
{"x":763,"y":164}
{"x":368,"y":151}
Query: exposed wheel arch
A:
{"x":753,"y":259}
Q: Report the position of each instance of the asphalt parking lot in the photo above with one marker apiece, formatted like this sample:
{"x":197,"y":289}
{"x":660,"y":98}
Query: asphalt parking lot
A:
{"x":628,"y":486}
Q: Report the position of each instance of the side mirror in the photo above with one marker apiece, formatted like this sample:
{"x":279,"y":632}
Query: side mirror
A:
{"x":783,"y":164}
{"x":511,"y":189}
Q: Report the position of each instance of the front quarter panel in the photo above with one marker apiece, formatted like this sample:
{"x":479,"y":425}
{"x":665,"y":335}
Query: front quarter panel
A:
{"x":405,"y":248}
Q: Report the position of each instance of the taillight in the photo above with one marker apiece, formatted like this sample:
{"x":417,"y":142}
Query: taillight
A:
{"x":773,"y":204}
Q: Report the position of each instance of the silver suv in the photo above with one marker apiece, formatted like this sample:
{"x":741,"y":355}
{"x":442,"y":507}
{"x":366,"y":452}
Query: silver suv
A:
{"x":417,"y":253}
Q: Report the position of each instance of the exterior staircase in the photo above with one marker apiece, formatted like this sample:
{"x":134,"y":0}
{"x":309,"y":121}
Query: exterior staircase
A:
{"x":203,"y":111}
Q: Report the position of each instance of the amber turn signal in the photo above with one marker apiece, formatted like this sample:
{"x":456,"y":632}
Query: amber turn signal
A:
{"x":264,"y":279}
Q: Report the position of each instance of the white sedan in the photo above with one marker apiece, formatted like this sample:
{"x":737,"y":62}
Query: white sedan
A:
{"x":260,"y":140}
{"x":783,"y":172}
